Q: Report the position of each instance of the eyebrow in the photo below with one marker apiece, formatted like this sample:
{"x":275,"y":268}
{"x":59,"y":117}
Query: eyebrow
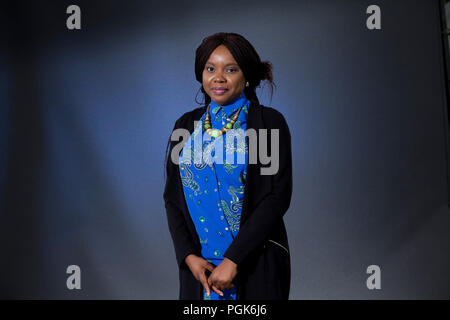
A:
{"x":228,"y":64}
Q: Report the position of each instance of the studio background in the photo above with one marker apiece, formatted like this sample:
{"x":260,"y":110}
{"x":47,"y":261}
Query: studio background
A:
{"x":85,"y":116}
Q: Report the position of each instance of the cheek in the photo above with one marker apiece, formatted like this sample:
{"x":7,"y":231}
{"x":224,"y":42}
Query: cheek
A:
{"x":238,"y":81}
{"x":241,"y":80}
{"x":205,"y":77}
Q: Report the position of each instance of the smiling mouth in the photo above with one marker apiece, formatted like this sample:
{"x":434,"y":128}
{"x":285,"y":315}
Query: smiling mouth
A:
{"x":219,"y":91}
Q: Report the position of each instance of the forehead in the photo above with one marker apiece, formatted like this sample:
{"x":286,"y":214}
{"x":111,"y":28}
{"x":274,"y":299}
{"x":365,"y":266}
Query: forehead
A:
{"x":221,"y":55}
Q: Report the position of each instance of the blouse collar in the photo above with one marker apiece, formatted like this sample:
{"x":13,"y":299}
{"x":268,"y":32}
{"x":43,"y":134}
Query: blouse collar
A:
{"x":230,"y":107}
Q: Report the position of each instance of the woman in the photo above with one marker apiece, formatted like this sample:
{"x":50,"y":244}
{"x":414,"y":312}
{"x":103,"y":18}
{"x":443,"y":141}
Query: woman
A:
{"x":226,"y":217}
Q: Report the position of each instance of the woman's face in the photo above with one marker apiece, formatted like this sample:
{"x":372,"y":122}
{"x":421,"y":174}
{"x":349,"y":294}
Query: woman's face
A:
{"x":223,"y":79}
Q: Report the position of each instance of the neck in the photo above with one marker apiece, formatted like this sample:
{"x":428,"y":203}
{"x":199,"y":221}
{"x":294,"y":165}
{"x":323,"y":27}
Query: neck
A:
{"x":238,"y":102}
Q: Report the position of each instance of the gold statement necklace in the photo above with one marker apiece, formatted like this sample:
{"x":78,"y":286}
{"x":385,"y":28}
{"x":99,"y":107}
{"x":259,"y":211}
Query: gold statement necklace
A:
{"x":218,"y":132}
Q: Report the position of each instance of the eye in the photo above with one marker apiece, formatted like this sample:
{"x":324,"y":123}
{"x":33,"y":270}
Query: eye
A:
{"x":232,"y":70}
{"x":208,"y":69}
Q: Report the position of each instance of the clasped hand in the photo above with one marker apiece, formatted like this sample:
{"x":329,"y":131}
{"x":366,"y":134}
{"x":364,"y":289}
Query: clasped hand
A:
{"x":221,"y":277}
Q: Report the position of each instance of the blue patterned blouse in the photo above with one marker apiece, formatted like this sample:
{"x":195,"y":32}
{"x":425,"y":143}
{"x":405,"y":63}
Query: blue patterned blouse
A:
{"x":213,"y":178}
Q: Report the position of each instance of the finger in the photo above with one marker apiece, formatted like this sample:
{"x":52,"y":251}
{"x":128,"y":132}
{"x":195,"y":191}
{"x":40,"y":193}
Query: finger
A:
{"x":210,"y":267}
{"x":216,"y":290}
{"x":228,"y":286}
{"x":210,"y":280}
{"x":205,"y":284}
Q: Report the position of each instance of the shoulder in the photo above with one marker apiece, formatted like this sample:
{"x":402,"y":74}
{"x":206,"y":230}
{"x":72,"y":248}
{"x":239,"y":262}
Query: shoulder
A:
{"x":273,"y":117}
{"x":189,"y":116}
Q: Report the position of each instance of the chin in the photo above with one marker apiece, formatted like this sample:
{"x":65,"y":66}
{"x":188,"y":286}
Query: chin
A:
{"x":219,"y":99}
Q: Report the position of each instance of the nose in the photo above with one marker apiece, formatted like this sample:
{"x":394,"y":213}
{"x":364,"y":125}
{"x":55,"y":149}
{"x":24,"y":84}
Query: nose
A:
{"x":219,"y":77}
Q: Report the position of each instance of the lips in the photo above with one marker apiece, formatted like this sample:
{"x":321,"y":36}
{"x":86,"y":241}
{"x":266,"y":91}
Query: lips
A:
{"x":219,"y":91}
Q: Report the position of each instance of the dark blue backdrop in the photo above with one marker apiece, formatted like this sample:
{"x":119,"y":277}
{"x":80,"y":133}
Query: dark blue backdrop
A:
{"x":85,"y":116}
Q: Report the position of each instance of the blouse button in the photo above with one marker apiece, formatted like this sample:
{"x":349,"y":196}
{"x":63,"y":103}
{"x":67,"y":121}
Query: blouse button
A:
{"x":226,"y":228}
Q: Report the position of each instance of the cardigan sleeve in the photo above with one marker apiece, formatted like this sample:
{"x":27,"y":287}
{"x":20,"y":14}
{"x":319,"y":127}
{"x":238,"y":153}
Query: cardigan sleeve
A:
{"x":178,"y":227}
{"x":274,"y":205}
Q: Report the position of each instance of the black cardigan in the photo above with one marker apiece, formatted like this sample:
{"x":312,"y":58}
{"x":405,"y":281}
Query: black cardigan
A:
{"x":260,"y":248}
